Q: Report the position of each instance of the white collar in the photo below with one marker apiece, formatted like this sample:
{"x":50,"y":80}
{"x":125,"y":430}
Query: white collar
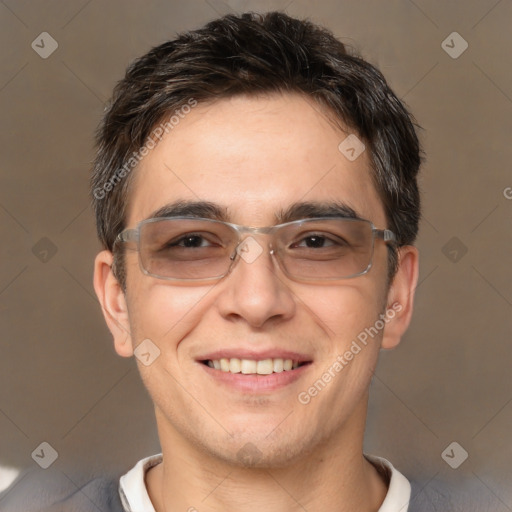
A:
{"x":399,"y":489}
{"x":135,"y":497}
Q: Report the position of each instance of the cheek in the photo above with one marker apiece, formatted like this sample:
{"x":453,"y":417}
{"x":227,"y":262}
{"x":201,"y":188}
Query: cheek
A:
{"x":345,"y":310}
{"x":165,"y":313}
{"x":349,"y":353}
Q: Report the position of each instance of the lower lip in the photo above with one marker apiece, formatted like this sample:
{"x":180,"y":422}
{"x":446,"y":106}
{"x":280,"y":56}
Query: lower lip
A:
{"x":256,"y":383}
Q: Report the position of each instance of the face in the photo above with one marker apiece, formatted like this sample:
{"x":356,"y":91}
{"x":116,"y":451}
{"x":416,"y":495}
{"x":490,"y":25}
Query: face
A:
{"x":254,"y":158}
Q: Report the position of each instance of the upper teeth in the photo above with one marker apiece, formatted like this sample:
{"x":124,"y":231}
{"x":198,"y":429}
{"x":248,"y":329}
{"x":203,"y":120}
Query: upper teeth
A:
{"x":248,"y":366}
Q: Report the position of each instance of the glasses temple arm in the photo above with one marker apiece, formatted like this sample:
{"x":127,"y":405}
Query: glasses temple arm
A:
{"x":386,"y":235}
{"x":128,"y":235}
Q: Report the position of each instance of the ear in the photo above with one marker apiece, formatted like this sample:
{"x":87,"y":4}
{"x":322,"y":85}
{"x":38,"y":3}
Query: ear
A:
{"x":113,"y":303}
{"x":400,"y":300}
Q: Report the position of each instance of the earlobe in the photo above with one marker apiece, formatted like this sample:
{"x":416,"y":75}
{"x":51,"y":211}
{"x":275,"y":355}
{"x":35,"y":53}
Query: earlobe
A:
{"x":400,"y":300}
{"x":113,"y":303}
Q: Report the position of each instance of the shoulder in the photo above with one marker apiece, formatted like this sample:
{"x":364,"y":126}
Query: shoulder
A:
{"x":53,"y":491}
{"x":452,"y":492}
{"x":97,"y":494}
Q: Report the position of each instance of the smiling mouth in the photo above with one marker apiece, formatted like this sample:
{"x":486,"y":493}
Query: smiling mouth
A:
{"x":254,"y":367}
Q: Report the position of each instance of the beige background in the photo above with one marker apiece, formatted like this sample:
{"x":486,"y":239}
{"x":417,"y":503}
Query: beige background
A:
{"x":450,"y":380}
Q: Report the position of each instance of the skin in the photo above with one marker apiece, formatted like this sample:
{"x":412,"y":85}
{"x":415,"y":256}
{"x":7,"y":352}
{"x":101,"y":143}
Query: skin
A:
{"x":256,"y":156}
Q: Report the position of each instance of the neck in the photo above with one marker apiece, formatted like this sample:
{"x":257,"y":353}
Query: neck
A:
{"x":334,"y":475}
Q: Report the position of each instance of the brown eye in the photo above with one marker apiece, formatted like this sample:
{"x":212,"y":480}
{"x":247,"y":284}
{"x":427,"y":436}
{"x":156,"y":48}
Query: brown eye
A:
{"x":190,"y":241}
{"x":318,"y":241}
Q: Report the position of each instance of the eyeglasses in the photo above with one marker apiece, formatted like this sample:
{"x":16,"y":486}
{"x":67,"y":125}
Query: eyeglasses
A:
{"x":197,"y":249}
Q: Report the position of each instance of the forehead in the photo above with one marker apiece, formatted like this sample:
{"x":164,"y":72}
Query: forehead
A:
{"x":254,"y":156}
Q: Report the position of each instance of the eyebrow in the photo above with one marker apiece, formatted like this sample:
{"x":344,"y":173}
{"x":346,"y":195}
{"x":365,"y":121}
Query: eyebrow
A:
{"x":202,"y":209}
{"x":296,"y":211}
{"x":312,"y":209}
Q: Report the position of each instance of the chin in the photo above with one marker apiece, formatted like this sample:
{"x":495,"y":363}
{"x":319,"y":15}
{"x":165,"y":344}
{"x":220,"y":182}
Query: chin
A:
{"x":258,"y":451}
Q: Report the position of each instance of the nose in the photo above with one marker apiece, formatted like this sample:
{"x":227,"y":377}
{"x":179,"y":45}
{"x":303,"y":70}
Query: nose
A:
{"x":255,"y":290}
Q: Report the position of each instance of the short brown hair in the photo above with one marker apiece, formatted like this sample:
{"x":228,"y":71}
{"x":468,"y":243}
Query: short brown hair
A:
{"x":250,"y":54}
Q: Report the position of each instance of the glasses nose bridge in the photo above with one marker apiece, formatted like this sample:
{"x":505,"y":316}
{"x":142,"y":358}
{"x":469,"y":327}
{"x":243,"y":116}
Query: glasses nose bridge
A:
{"x":264,"y":230}
{"x":257,"y":231}
{"x":245,"y":232}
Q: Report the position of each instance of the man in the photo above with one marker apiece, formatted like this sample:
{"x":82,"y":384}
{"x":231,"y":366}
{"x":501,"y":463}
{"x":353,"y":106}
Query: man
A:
{"x":255,"y":192}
